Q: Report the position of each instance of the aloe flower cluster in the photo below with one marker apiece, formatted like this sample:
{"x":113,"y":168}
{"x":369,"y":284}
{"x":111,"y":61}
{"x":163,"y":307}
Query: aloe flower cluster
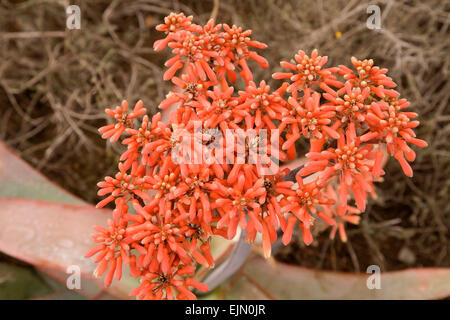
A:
{"x":168,"y":203}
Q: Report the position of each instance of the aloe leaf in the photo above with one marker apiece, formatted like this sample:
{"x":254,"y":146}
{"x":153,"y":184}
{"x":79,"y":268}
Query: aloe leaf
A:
{"x":19,"y":180}
{"x":54,"y":236}
{"x":259,"y":280}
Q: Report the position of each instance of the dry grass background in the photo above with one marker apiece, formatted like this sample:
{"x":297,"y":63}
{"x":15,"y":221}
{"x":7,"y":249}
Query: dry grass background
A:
{"x":55,"y":84}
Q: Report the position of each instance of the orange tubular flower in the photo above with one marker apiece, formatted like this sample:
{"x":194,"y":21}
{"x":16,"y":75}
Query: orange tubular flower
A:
{"x":308,"y":70}
{"x":190,"y":86}
{"x":235,"y":204}
{"x":160,"y":240}
{"x":237,"y":45}
{"x":187,"y":179}
{"x":302,"y":204}
{"x":352,"y":106}
{"x":259,"y":107}
{"x":217,"y":106}
{"x":123,"y":185}
{"x":168,"y":286}
{"x":350,"y":161}
{"x":393,"y":126}
{"x":369,"y":76}
{"x":340,"y":216}
{"x":172,"y":23}
{"x":111,"y":251}
{"x":314,"y":120}
{"x":124,"y":120}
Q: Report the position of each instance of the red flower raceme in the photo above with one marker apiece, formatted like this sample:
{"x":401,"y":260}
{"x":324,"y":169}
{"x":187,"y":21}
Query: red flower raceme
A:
{"x":214,"y":167}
